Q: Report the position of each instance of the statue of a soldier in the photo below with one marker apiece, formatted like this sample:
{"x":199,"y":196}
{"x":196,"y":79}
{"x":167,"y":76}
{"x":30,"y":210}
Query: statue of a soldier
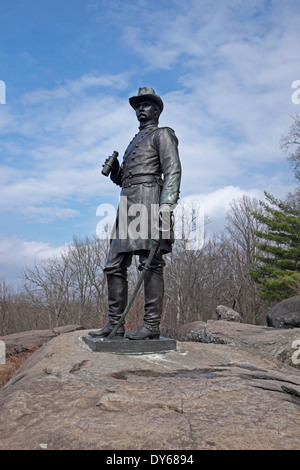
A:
{"x":150,"y":175}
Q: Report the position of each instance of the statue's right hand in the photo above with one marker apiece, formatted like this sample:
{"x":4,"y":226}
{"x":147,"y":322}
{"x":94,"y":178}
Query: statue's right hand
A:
{"x":115,"y":165}
{"x":115,"y":168}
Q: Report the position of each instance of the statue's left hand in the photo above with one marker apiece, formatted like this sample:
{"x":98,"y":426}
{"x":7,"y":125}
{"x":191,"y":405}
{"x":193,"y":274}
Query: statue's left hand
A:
{"x":165,"y":217}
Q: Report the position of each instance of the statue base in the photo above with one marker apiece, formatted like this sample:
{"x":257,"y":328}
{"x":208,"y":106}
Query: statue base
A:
{"x":130,"y":346}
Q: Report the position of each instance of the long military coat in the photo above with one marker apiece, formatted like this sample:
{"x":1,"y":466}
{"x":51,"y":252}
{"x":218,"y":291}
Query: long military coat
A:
{"x":149,"y":175}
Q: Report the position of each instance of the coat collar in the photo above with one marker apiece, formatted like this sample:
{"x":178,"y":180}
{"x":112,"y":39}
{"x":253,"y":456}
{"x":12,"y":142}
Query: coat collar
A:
{"x":148,"y":126}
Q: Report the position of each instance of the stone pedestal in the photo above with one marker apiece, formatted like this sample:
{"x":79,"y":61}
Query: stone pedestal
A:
{"x":128,"y":346}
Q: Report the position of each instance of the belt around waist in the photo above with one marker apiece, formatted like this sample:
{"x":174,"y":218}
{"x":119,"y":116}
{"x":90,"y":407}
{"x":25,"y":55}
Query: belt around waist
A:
{"x":138,"y":179}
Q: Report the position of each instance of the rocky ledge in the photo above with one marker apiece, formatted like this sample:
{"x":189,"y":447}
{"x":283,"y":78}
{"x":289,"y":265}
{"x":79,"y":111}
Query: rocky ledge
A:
{"x":277,"y":343}
{"x":221,"y":394}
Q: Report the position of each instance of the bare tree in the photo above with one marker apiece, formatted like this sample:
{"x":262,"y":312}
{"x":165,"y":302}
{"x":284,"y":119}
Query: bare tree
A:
{"x":240,"y":252}
{"x":51,"y":281}
{"x":86,"y":260}
{"x":290,"y":143}
{"x":72,"y":288}
{"x":194,"y":281}
{"x":241,"y":225}
{"x":197,"y":281}
{"x":29,"y":312}
{"x":6,"y":307}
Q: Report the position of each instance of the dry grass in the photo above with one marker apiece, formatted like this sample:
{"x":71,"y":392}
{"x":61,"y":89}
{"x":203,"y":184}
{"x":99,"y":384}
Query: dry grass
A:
{"x":12,"y":364}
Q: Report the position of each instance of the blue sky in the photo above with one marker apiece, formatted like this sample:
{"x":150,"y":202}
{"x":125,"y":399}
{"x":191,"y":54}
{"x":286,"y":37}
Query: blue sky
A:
{"x":224,"y":69}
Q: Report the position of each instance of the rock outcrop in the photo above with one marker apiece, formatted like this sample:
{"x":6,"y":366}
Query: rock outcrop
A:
{"x":227,"y":314}
{"x":201,"y":396}
{"x":285,"y":314}
{"x":277,"y":343}
{"x":26,"y":340}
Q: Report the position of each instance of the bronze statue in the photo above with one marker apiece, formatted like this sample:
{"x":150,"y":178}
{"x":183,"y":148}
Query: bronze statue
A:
{"x":150,"y":175}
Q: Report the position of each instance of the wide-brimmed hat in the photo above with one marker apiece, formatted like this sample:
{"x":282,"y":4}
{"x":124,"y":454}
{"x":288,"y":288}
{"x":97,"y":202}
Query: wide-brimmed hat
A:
{"x":146,"y":93}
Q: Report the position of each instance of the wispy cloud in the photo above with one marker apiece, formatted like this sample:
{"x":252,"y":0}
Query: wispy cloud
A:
{"x":68,"y":136}
{"x":16,"y":253}
{"x":73,"y":88}
{"x":216,"y":204}
{"x":12,"y":248}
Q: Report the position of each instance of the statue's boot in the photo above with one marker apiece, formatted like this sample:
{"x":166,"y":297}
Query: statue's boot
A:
{"x":154,"y":294}
{"x":117,"y":301}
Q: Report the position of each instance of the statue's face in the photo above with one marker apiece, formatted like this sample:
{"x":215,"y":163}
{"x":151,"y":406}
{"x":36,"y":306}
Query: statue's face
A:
{"x":146,"y":111}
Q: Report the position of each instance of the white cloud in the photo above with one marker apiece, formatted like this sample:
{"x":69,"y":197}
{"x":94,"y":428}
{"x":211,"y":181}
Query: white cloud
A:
{"x":17,"y":253}
{"x":198,"y":29}
{"x":7,"y":119}
{"x":237,"y":62}
{"x":217,"y":203}
{"x":75,"y":87}
{"x":65,"y":144}
{"x":14,"y":249}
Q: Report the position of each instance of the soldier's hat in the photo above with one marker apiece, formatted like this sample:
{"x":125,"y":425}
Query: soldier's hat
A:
{"x":146,"y":93}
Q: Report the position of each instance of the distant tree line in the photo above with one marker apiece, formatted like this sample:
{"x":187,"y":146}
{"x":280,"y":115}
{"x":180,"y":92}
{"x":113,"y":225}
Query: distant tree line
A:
{"x":249,"y":266}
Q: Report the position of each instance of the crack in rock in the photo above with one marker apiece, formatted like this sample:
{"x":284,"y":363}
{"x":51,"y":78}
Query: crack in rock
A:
{"x":208,"y":373}
{"x":78,"y":366}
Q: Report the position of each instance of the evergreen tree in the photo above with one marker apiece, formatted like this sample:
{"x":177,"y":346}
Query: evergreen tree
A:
{"x":277,"y":266}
